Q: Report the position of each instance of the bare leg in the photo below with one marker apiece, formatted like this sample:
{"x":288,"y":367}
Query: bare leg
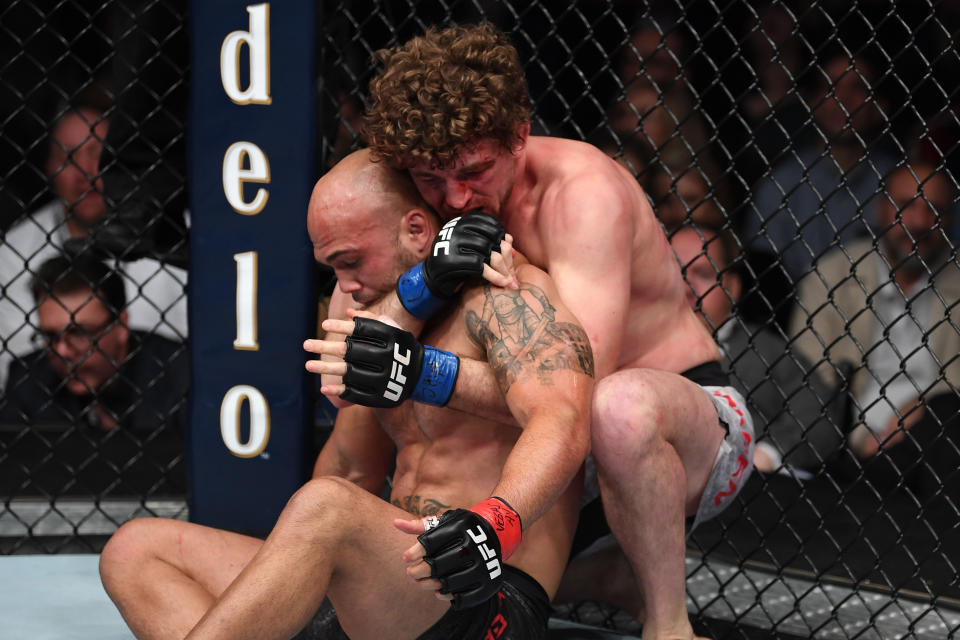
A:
{"x":164,"y":574}
{"x":332,"y":539}
{"x":655,"y":437}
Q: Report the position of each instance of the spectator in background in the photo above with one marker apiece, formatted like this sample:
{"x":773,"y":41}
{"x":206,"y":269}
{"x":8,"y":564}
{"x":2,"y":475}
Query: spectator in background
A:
{"x":144,"y":158}
{"x":657,"y":114}
{"x":791,"y":410}
{"x":156,"y":292}
{"x":658,"y":107}
{"x":818,"y":197}
{"x":349,"y":132}
{"x":890,"y":308}
{"x":937,"y":144}
{"x":655,"y":56}
{"x":100,"y":377}
{"x":682,"y":198}
{"x":773,"y":110}
{"x":640,"y":117}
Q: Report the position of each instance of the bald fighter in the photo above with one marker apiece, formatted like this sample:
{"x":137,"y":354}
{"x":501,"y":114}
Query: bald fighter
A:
{"x":502,"y":495}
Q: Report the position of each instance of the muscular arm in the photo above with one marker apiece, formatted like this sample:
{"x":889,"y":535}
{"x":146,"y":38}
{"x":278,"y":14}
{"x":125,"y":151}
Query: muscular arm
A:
{"x":590,"y":265}
{"x":357,"y":450}
{"x":543,"y":365}
{"x":588,"y":236}
{"x":476,"y":391}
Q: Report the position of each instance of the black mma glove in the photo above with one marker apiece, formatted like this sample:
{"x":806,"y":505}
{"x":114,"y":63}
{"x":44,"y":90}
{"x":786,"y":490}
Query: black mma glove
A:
{"x":387,"y":365}
{"x":466,"y":549}
{"x":458,"y":254}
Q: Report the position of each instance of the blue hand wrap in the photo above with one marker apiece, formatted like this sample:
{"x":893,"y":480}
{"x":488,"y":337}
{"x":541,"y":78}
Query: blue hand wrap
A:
{"x":437,"y":378}
{"x":414,"y":295}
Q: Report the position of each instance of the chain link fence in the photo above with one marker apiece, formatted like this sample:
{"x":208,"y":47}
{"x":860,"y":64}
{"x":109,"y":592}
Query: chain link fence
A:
{"x":94,"y":363}
{"x":801,"y":157}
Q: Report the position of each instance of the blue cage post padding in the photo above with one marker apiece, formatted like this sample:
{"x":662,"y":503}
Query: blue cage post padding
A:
{"x":252,"y":127}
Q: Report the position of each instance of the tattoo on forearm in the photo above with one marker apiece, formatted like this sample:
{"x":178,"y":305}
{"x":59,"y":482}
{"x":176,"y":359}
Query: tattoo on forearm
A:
{"x":521,"y":336}
{"x":419,"y":506}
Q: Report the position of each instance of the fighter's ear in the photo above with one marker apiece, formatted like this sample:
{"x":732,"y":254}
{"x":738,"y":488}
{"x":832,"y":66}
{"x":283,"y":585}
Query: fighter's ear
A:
{"x":418,"y":228}
{"x":523,"y":132}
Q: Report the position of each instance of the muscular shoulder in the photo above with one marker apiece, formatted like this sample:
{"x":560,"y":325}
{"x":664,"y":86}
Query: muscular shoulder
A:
{"x":532,"y":274}
{"x":587,"y":178}
{"x":587,"y":194}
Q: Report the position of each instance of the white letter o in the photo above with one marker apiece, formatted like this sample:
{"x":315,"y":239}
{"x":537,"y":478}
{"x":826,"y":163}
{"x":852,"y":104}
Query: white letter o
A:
{"x":230,"y":421}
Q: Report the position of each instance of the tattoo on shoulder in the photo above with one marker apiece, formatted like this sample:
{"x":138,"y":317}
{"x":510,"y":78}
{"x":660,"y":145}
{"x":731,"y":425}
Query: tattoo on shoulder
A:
{"x":419,"y":506}
{"x":521,"y":336}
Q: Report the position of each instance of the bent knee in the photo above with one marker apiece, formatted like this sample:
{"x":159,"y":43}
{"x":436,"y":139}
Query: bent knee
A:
{"x":323,"y":498}
{"x":129,"y":547}
{"x":627,"y":412}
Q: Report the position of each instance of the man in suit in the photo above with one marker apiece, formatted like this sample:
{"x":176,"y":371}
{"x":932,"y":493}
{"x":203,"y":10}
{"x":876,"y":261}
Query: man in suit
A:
{"x":888,"y":306}
{"x":115,"y":397}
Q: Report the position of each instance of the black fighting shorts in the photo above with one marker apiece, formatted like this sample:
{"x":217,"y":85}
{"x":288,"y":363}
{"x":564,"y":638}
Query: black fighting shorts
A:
{"x":518,"y":612}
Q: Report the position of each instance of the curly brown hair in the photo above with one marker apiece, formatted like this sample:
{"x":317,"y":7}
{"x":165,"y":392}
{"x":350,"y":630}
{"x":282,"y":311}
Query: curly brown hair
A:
{"x":443,"y":91}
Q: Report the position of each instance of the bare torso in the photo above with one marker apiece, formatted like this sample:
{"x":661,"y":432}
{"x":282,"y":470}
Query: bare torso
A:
{"x":661,"y":331}
{"x":450,"y":459}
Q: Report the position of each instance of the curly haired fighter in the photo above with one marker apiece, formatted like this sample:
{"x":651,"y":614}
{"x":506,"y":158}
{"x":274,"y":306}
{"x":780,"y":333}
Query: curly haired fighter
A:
{"x":668,"y":433}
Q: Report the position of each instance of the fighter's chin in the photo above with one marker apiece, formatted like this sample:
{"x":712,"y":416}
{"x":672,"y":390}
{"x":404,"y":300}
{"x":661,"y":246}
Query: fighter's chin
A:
{"x":367,"y":299}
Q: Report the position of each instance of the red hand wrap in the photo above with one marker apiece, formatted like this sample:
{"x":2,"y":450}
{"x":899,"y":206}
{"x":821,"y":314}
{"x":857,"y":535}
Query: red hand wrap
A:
{"x":505,"y":522}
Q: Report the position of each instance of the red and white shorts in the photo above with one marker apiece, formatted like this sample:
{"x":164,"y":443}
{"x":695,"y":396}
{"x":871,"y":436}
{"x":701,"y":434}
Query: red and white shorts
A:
{"x":734,"y":460}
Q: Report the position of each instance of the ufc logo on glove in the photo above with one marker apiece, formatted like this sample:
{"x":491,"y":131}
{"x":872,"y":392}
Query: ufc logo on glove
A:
{"x":479,"y":538}
{"x":442,"y":241}
{"x":458,"y":254}
{"x":465,"y":547}
{"x":397,"y":379}
{"x":387,"y":365}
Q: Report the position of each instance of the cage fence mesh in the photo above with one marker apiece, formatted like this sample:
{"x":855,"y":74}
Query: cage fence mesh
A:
{"x":806,"y":150}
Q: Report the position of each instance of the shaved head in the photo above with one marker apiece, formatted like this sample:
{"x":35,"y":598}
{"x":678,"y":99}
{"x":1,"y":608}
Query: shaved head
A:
{"x":369,"y":223}
{"x":356,"y":187}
